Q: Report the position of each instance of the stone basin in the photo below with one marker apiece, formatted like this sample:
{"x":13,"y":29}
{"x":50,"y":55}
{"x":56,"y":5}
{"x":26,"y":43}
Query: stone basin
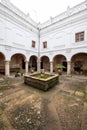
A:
{"x":41,"y":83}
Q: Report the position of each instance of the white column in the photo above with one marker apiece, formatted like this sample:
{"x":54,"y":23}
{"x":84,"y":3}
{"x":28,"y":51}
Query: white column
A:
{"x":38,"y":65}
{"x":7,"y":68}
{"x":68,"y":67}
{"x":51,"y":67}
{"x":26,"y":67}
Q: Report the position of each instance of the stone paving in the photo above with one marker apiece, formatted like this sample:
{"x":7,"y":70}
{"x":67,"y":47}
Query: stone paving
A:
{"x":63,"y":107}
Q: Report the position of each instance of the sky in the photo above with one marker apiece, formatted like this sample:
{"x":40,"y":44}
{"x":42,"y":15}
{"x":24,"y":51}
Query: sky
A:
{"x":42,"y":10}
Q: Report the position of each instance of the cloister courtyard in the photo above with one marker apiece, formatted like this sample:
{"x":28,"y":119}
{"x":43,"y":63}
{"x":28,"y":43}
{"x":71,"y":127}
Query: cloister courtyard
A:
{"x":77,"y":63}
{"x":63,"y":107}
{"x":28,"y":47}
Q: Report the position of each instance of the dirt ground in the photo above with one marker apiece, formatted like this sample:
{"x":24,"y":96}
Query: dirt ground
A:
{"x":63,"y":107}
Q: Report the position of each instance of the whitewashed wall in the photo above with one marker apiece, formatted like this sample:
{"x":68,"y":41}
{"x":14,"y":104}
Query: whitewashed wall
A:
{"x":16,"y":33}
{"x":59,"y":32}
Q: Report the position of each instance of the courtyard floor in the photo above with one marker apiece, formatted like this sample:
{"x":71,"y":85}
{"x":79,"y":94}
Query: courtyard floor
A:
{"x":63,"y":107}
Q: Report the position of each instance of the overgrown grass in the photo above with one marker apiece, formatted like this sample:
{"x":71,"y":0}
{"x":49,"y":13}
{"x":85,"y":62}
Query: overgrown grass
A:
{"x":43,"y":76}
{"x":3,"y":88}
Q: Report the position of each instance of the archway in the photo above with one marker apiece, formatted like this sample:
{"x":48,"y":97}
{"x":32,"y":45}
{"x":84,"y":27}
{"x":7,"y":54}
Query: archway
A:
{"x":33,"y":62}
{"x":79,"y":62}
{"x":59,"y":59}
{"x":45,"y":64}
{"x":17,"y":62}
{"x":2,"y":63}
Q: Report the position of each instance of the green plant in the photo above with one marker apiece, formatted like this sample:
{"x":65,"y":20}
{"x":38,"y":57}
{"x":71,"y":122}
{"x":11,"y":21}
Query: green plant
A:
{"x":59,"y":66}
{"x":17,"y":73}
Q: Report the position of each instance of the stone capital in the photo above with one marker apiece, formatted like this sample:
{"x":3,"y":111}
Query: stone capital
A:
{"x":7,"y":61}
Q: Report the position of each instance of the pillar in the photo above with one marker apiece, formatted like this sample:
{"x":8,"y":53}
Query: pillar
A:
{"x":68,"y":67}
{"x":7,"y":68}
{"x":51,"y":67}
{"x":38,"y":65}
{"x":26,"y":67}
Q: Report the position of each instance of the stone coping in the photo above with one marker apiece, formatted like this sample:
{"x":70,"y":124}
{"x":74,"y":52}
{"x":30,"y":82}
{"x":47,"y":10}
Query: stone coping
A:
{"x":43,"y":84}
{"x":32,"y":75}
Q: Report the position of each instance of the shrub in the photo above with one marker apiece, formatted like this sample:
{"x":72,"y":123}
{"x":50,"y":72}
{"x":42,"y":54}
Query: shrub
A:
{"x":59,"y":66}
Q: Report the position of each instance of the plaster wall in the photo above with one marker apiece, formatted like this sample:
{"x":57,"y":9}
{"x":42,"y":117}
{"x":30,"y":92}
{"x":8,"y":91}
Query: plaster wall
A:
{"x":17,"y":31}
{"x":16,"y":34}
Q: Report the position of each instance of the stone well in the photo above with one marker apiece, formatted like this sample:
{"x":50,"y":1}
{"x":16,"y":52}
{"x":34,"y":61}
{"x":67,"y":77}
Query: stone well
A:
{"x":40,"y":83}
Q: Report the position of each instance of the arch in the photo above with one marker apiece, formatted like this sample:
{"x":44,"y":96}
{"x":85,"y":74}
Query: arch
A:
{"x":33,"y":62}
{"x":20,"y":55}
{"x":17,"y":62}
{"x":79,"y":62}
{"x":1,"y":54}
{"x":45,"y":63}
{"x":46,"y":56}
{"x":2,"y":63}
{"x":59,"y":59}
{"x":32,"y":56}
{"x":61,"y":54}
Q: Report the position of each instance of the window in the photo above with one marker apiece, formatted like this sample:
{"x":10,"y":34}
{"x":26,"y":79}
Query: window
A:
{"x":33,"y":44}
{"x":79,"y":36}
{"x":45,"y":44}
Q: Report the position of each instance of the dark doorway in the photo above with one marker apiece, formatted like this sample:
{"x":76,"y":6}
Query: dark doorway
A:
{"x":34,"y":64}
{"x":23,"y":64}
{"x":41,"y":65}
{"x":78,"y":65}
{"x":65,"y":64}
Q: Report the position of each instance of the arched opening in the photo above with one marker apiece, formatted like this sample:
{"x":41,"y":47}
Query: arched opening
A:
{"x":45,"y":64}
{"x":2,"y":63}
{"x":79,"y":63}
{"x":60,"y":59}
{"x":33,"y":62}
{"x":17,"y":63}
